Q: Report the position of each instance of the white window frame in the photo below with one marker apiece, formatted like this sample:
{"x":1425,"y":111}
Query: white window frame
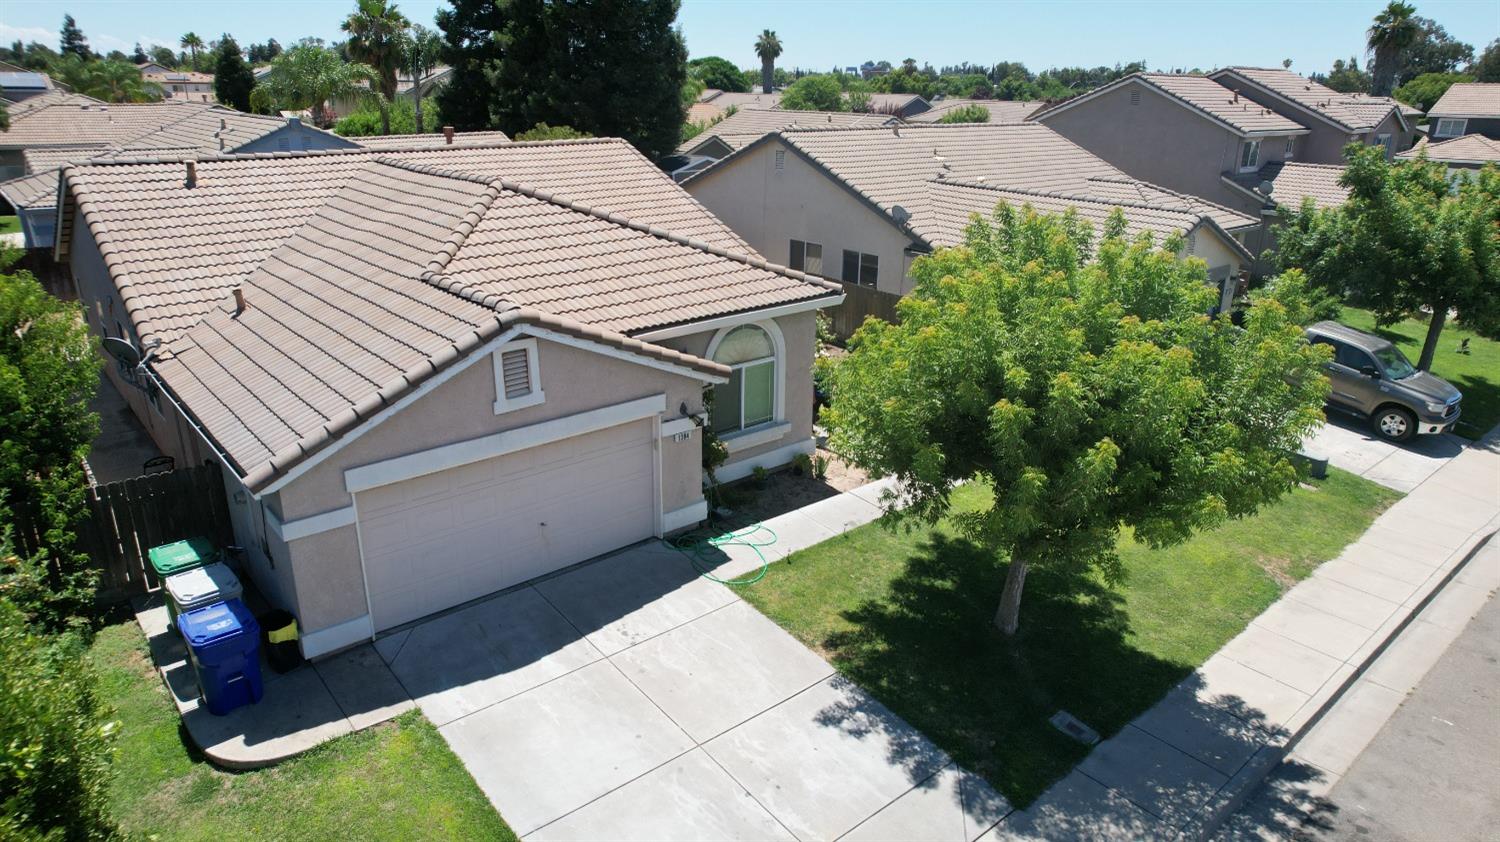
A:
{"x":533,"y":374}
{"x":1254,"y":160}
{"x":1384,"y":139}
{"x":775,"y":428}
{"x":791,"y":251}
{"x":1461,"y":122}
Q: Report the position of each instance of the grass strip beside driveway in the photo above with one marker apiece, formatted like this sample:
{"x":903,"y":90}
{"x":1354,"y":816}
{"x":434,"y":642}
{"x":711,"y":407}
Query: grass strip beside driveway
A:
{"x":395,"y":781}
{"x":906,"y":615}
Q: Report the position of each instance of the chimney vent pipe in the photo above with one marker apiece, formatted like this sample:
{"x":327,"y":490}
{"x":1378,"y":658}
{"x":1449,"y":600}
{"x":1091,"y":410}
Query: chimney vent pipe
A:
{"x":192,"y":173}
{"x":448,"y":134}
{"x":239,"y":301}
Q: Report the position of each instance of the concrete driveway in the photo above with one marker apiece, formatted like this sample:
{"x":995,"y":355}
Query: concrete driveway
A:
{"x":1349,"y":444}
{"x":632,"y":699}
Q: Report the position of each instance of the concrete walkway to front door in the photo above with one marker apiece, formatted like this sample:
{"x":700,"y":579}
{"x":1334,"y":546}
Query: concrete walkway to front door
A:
{"x":631,"y":698}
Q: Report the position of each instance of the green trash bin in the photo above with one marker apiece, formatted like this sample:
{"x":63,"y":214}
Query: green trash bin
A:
{"x":181,"y":556}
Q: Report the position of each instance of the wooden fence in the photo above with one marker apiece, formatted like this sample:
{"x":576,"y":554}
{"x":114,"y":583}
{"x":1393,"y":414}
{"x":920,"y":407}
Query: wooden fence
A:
{"x":859,"y":304}
{"x":126,"y":519}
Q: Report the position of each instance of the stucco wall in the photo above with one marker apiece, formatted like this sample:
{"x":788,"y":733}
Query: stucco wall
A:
{"x":770,"y":208}
{"x":295,"y":137}
{"x":574,"y":380}
{"x":799,"y":333}
{"x":330,"y":583}
{"x":1160,"y":141}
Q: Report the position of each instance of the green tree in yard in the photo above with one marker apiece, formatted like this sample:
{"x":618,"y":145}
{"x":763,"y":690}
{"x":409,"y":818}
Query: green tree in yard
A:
{"x":767,"y":48}
{"x":70,"y":40}
{"x":1393,"y":32}
{"x":1428,"y":88}
{"x":967,"y":114}
{"x":138,"y":55}
{"x":48,"y":373}
{"x":421,"y":49}
{"x":814,"y":93}
{"x":1347,"y":78}
{"x":1410,"y":238}
{"x":610,"y":69}
{"x":312,"y":76}
{"x":233,"y":78}
{"x":372,"y":117}
{"x":718,"y":73}
{"x":1085,"y":384}
{"x":192,"y":43}
{"x":542,"y":131}
{"x":164,"y":56}
{"x":1487,"y":67}
{"x":55,"y":737}
{"x":111,"y":81}
{"x":1432,"y":51}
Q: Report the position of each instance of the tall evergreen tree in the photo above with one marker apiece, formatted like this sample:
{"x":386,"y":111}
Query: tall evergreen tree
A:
{"x":611,"y":69}
{"x":71,"y":40}
{"x":233,"y":78}
{"x":139,"y":56}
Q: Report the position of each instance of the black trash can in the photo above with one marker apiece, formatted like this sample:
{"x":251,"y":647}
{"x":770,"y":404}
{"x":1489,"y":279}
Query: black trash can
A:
{"x":278,"y":631}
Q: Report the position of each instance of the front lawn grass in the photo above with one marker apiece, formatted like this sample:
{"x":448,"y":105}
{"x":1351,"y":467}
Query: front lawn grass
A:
{"x":10,"y":224}
{"x":1476,"y":374}
{"x":394,"y":781}
{"x":907,"y":616}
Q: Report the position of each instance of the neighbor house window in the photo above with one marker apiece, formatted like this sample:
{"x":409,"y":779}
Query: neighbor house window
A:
{"x":1384,"y":140}
{"x":749,"y":398}
{"x":1450,"y":127}
{"x":806,"y":257}
{"x":1249,"y":155}
{"x":861,"y":268}
{"x":1290,"y":149}
{"x":518,"y":376}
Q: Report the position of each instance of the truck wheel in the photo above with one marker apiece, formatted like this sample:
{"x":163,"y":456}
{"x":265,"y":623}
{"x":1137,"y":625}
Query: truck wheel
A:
{"x":1393,"y":423}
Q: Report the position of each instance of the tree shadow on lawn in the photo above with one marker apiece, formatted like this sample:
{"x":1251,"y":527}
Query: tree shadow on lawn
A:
{"x":929,"y":652}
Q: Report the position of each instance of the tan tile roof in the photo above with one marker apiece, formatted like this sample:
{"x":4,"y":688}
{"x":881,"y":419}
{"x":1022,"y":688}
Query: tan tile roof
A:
{"x":1218,"y":100}
{"x":179,"y":76}
{"x":1468,"y":149}
{"x":894,"y":101}
{"x":406,"y":268}
{"x":897,"y":167}
{"x":1354,"y":112}
{"x":743,"y":101}
{"x":159,"y":125}
{"x":54,"y":96}
{"x":1469,"y":99}
{"x":954,"y":204}
{"x":1001,"y":111}
{"x":702,"y":112}
{"x":180,"y":250}
{"x":419,"y":141}
{"x":1292,"y":182}
{"x":750,"y":124}
{"x":44,"y":158}
{"x":31,"y":190}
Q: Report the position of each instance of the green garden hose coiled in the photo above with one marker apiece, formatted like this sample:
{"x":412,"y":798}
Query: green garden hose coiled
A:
{"x":698,"y":551}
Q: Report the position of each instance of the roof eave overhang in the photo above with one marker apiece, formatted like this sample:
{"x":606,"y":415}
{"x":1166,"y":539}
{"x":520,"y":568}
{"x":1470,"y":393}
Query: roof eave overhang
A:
{"x":1338,"y":124}
{"x":743,"y":317}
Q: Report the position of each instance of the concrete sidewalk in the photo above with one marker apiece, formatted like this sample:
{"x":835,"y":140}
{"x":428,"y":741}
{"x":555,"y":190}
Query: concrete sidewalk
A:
{"x":1179,"y":769}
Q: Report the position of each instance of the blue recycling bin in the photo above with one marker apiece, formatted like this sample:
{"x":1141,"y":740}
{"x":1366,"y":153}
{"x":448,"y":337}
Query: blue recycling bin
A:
{"x":223,"y":642}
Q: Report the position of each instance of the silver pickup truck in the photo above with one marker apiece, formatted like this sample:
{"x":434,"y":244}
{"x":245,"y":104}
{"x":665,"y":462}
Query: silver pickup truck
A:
{"x":1370,"y":377}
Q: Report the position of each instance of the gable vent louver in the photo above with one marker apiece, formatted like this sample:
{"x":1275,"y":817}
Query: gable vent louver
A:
{"x":516,"y":370}
{"x":1135,"y":97}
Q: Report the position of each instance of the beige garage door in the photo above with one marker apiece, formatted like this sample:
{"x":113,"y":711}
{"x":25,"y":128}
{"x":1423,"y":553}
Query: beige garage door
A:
{"x":435,"y":541}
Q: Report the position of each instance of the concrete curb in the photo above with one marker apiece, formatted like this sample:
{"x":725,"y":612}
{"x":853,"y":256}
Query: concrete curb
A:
{"x":1234,"y":794}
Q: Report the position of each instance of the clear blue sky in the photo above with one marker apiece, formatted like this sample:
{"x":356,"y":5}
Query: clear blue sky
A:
{"x":819,"y":34}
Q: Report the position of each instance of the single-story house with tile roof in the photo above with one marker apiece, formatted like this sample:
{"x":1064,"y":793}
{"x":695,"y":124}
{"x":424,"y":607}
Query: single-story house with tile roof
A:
{"x":749,"y":125}
{"x":183,"y":85}
{"x":1333,"y":119}
{"x":433,"y":374}
{"x":899,"y":105}
{"x":1466,"y":108}
{"x":860,"y":204}
{"x":1466,"y":152}
{"x":1000,"y":110}
{"x":38,"y":144}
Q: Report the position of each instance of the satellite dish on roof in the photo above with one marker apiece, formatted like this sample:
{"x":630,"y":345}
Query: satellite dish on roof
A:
{"x":123,"y":350}
{"x":900,"y":214}
{"x":1266,"y":187}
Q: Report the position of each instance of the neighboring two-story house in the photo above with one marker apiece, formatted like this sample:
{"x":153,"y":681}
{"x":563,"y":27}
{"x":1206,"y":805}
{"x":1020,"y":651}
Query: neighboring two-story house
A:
{"x":860,"y":204}
{"x":1333,"y":119}
{"x":1466,"y":108}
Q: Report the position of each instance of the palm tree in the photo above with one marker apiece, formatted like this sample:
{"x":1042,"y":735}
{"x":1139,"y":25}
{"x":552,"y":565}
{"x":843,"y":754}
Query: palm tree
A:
{"x":1394,"y":30}
{"x":111,"y":81}
{"x":192,"y":43}
{"x":310,"y":76}
{"x":420,"y":49}
{"x":768,"y":47}
{"x":375,"y":37}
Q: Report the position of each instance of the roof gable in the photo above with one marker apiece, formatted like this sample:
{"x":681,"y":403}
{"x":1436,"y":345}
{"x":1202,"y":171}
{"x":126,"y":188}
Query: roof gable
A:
{"x":1477,"y":100}
{"x":1200,"y":95}
{"x":1350,"y":112}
